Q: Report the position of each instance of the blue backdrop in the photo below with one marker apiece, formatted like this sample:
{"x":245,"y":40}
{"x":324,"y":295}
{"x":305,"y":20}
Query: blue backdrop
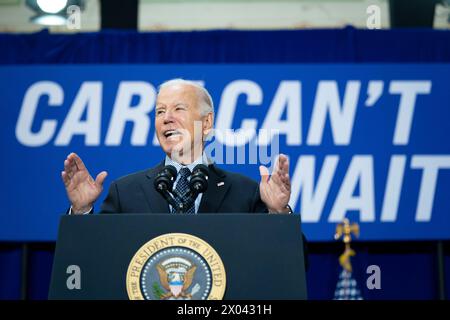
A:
{"x":401,"y":264}
{"x":367,"y":141}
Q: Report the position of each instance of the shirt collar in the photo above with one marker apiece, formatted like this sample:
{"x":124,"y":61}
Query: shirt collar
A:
{"x":200,"y":160}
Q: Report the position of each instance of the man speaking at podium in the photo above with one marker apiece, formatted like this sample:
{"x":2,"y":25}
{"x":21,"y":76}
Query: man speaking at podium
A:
{"x":184,"y":117}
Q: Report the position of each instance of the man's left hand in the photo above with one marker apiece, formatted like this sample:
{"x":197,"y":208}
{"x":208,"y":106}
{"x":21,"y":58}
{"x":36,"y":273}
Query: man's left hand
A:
{"x":275,"y":190}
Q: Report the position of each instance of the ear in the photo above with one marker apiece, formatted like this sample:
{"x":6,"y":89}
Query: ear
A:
{"x":207,"y":124}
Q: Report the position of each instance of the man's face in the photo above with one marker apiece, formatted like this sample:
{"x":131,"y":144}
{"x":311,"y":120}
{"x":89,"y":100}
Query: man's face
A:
{"x":178,"y":122}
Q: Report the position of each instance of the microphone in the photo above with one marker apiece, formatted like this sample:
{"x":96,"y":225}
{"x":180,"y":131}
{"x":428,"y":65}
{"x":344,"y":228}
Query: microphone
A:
{"x":198,"y":183}
{"x":165,"y":179}
{"x":164,"y":183}
{"x":199,"y":180}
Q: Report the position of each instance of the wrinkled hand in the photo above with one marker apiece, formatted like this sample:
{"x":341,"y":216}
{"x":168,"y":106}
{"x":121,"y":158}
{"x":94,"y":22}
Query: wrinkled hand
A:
{"x":275,"y":190}
{"x":81,"y":189}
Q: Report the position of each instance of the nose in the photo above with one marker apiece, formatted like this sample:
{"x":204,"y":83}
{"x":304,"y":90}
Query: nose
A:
{"x":168,"y":117}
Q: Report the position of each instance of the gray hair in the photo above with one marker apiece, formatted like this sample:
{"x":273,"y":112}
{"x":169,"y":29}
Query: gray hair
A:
{"x":205,"y":101}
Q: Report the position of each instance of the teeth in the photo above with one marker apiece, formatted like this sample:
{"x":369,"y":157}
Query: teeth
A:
{"x":170,"y":133}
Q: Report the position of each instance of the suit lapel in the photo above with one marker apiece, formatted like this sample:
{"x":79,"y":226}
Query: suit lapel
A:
{"x":217,"y":188}
{"x":154,"y":199}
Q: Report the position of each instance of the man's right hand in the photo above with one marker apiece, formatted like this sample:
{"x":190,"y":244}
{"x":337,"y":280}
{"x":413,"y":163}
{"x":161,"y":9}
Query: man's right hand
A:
{"x":81,"y":189}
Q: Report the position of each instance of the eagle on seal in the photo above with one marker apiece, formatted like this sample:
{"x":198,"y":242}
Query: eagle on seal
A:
{"x":175,"y":284}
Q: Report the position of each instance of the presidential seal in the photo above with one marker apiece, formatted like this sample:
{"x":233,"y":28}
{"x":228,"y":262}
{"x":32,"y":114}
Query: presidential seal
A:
{"x":176,"y":266}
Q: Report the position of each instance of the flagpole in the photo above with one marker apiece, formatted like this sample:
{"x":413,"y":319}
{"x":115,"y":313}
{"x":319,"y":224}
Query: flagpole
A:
{"x":441,"y":272}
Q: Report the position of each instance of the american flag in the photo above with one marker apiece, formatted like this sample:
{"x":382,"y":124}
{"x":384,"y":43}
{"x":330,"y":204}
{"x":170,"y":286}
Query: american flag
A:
{"x":347,"y":288}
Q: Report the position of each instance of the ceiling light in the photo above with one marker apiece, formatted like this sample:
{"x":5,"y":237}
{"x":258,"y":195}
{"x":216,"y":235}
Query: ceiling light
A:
{"x":49,"y":20}
{"x":52,"y":6}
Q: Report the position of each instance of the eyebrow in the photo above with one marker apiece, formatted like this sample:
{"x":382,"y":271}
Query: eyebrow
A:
{"x":162,"y":105}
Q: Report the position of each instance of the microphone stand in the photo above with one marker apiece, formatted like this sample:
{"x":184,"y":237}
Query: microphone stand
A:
{"x":183,"y":204}
{"x":170,"y":198}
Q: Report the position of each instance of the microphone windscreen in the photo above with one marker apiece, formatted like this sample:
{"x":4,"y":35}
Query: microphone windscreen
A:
{"x":172,"y":170}
{"x":165,"y":178}
{"x":202,"y":168}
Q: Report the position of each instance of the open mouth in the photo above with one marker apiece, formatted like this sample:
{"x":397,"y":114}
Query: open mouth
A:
{"x":172,"y":133}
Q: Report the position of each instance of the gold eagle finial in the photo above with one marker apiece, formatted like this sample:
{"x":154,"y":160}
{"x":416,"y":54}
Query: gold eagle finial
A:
{"x":345,"y":230}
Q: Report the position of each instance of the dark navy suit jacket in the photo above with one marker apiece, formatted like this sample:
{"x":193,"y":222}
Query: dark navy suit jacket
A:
{"x":227,"y":193}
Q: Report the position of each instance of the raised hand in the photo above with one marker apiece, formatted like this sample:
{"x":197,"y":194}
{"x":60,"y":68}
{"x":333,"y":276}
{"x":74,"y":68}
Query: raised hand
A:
{"x":275,"y":190}
{"x":81,"y":189}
